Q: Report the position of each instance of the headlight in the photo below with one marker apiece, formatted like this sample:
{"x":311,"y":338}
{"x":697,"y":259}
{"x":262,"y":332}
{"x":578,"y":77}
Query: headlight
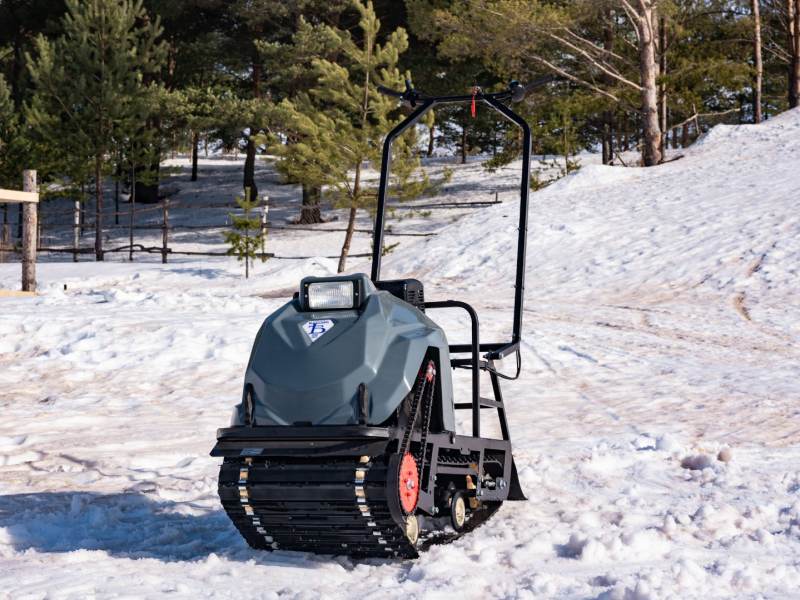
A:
{"x":330,"y":294}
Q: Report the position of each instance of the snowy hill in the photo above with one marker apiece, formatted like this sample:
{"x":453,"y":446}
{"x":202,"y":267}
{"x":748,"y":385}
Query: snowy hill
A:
{"x":655,"y":423}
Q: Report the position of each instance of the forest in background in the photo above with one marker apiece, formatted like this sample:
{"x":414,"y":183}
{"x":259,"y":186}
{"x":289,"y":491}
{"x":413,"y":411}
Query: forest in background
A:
{"x":99,"y":92}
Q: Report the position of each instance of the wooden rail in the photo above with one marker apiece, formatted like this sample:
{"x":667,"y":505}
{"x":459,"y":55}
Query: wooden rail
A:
{"x":166,"y":227}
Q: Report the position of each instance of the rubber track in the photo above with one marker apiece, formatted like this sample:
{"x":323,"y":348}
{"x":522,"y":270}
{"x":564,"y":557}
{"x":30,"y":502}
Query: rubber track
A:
{"x":320,"y":507}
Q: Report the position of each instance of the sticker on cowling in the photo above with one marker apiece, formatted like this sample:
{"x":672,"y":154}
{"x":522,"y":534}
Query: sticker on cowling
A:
{"x":315,"y":329}
{"x":250,"y":452}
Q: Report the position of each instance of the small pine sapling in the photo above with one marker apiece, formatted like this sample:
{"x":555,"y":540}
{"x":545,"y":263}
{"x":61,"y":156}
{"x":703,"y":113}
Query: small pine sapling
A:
{"x":243,"y":244}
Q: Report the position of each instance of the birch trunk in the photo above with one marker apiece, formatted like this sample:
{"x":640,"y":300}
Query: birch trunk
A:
{"x":757,"y":62}
{"x":662,"y":88}
{"x":648,"y":64}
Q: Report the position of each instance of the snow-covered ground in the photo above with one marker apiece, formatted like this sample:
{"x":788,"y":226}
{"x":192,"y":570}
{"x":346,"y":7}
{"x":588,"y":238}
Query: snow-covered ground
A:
{"x":656,"y":422}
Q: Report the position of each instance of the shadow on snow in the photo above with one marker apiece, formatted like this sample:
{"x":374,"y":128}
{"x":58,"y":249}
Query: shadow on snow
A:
{"x":134,"y":525}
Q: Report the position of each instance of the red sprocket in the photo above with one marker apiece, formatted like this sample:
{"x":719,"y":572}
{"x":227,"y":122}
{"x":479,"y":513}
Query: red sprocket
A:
{"x":409,"y":483}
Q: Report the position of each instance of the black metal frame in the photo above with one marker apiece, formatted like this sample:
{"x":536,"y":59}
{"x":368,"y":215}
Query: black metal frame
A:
{"x":494,"y":351}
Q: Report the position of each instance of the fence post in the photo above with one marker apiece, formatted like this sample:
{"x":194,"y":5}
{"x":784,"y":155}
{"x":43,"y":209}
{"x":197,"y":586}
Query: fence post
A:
{"x":38,"y":226}
{"x":4,"y":236}
{"x":264,"y":211}
{"x":76,"y":227}
{"x":29,"y":230}
{"x":166,"y":231}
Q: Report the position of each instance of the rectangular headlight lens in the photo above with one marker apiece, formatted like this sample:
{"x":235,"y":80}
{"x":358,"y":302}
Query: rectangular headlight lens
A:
{"x":330,"y":294}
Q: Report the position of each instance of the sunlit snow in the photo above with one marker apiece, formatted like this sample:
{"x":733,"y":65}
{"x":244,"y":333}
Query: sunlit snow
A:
{"x":656,"y":423}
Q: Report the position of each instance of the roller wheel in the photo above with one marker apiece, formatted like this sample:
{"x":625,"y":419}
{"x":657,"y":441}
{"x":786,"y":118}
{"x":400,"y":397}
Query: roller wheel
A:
{"x":458,"y":511}
{"x":412,"y":529}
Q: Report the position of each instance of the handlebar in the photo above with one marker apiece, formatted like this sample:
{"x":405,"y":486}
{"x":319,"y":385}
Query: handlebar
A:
{"x":516,"y":91}
{"x":537,"y":83}
{"x":390,"y":92}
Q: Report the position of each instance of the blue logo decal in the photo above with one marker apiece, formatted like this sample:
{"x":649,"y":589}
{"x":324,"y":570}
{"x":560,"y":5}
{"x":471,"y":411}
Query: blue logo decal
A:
{"x":315,"y":329}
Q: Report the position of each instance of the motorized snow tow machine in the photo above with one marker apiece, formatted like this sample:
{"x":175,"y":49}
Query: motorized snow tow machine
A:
{"x":345,"y":440}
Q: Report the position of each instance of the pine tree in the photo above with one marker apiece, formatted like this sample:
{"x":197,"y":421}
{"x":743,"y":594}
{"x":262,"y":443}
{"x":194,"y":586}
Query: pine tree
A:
{"x":291,"y":71}
{"x":243,"y":245}
{"x":341,"y":123}
{"x":88,"y":84}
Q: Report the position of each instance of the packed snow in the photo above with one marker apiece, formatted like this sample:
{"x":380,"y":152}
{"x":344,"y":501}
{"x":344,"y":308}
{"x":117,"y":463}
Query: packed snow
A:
{"x":655,"y":423}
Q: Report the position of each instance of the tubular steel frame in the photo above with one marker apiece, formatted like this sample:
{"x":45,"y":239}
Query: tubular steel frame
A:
{"x":494,"y":351}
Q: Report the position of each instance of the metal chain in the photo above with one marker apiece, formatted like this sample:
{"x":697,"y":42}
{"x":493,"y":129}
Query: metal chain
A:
{"x":426,"y":423}
{"x":412,"y":417}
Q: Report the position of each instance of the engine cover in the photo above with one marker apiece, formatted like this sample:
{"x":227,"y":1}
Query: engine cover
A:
{"x":302,"y":373}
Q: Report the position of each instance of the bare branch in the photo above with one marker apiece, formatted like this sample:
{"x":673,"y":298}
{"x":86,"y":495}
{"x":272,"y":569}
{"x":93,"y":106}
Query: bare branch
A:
{"x":696,"y":116}
{"x":778,"y":53}
{"x":584,"y":83}
{"x":594,"y":62}
{"x":633,"y":15}
{"x":600,"y":52}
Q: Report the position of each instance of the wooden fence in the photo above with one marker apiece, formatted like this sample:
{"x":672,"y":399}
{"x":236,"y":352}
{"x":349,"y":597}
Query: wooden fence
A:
{"x":167,"y":227}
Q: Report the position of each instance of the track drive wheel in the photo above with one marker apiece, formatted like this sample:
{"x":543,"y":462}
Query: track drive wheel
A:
{"x":458,"y":511}
{"x":408,"y":483}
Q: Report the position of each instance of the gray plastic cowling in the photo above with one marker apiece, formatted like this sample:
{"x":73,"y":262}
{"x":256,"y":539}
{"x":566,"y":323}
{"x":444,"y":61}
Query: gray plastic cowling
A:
{"x":298,"y":381}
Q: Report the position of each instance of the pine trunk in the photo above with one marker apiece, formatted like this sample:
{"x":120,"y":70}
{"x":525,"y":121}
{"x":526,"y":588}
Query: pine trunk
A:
{"x":430,"y":141}
{"x":351,"y":222}
{"x":622,"y":127}
{"x":648,"y":65}
{"x":116,"y":189}
{"x":250,"y":165}
{"x":608,"y":137}
{"x":148,"y":193}
{"x":309,"y":212}
{"x":608,"y":114}
{"x":4,"y":235}
{"x":793,"y":46}
{"x":757,"y":62}
{"x":195,"y":148}
{"x":98,"y":220}
{"x":133,"y":213}
{"x":250,"y":159}
{"x":348,"y":237}
{"x":464,"y":145}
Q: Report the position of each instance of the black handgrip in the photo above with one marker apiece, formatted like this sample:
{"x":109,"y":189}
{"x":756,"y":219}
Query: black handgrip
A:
{"x":390,"y":92}
{"x":539,"y":82}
